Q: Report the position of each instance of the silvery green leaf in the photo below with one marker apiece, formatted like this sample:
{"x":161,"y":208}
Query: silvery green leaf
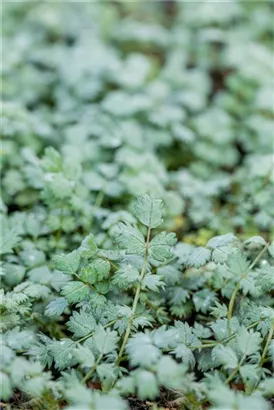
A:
{"x":68,"y":263}
{"x":82,"y":323}
{"x":148,"y":210}
{"x":160,"y":246}
{"x":147,"y":385}
{"x":75,"y":291}
{"x":130,"y":239}
{"x":226,"y":356}
{"x":105,"y":340}
{"x":198,"y":257}
{"x":56,"y":307}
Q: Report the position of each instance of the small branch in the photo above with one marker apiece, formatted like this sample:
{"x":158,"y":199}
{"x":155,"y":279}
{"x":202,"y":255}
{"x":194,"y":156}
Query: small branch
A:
{"x":268,"y":340}
{"x":135,"y":301}
{"x":235,"y":371}
{"x":92,"y":370}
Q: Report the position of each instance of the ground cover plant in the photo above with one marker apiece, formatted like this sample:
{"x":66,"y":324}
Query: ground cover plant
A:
{"x":137,"y":254}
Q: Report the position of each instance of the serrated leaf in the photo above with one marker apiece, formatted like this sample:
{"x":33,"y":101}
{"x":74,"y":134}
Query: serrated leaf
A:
{"x":221,"y":240}
{"x":152,"y":282}
{"x":226,"y":356}
{"x":81,"y":323}
{"x":56,"y":307}
{"x":88,"y":247}
{"x":105,"y":340}
{"x":62,"y":352}
{"x":248,"y":342}
{"x":237,"y":263}
{"x":9,"y":236}
{"x":148,"y":210}
{"x":96,"y":271}
{"x":68,"y":263}
{"x":198,"y":257}
{"x":160,"y":246}
{"x":130,"y":239}
{"x":75,"y":291}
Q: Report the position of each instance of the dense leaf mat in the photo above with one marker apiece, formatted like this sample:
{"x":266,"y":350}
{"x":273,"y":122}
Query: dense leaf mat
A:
{"x":137,"y":206}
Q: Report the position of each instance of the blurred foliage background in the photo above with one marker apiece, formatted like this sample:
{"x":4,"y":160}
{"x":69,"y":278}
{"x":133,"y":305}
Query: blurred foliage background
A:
{"x":171,"y":98}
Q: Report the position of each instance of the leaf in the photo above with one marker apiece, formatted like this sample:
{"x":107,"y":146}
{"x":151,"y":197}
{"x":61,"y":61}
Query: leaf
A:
{"x":88,"y":247}
{"x":142,"y":351}
{"x":226,"y":356}
{"x":105,"y":340}
{"x":6,"y":387}
{"x":62,"y":352}
{"x":254,"y":241}
{"x":130,"y":239}
{"x":147,"y":385}
{"x":96,"y":271}
{"x":85,"y":356}
{"x":75,"y":291}
{"x":81,"y":323}
{"x":148,"y":210}
{"x":198,"y":257}
{"x":169,"y":373}
{"x":237,"y":263}
{"x":220,"y":241}
{"x":152,"y":282}
{"x":159,"y":246}
{"x":106,"y":373}
{"x":68,"y":263}
{"x":183,"y":352}
{"x":9,"y":236}
{"x":56,"y":307}
{"x":248,"y":342}
{"x":204,"y":299}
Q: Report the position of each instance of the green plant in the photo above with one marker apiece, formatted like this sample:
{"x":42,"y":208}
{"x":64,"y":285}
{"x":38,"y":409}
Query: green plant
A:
{"x":123,"y":123}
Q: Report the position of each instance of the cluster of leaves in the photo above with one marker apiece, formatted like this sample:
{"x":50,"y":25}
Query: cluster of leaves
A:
{"x":108,"y":106}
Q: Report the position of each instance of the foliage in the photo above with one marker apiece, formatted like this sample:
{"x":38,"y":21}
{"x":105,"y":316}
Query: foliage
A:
{"x":136,"y":210}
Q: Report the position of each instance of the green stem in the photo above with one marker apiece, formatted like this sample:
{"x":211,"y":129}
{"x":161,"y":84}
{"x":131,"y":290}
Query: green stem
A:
{"x":268,"y":340}
{"x":235,"y":292}
{"x":235,"y":371}
{"x":135,"y":301}
{"x":91,"y":333}
{"x":232,"y":301}
{"x":92,"y":370}
{"x":258,"y":257}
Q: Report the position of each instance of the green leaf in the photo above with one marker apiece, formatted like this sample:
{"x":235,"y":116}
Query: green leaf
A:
{"x":226,"y":356}
{"x":105,"y":340}
{"x":160,"y":246}
{"x":68,"y":263}
{"x":152,"y":282}
{"x":142,"y":351}
{"x":81,"y":323}
{"x":248,"y":342}
{"x":75,"y":291}
{"x":9,"y":236}
{"x":6,"y":387}
{"x":85,"y":356}
{"x":148,"y":210}
{"x":96,"y":271}
{"x":130,"y":239}
{"x":88,"y":247}
{"x":147,"y":385}
{"x":237,"y":263}
{"x":56,"y":307}
{"x":62,"y":352}
{"x":198,"y":257}
{"x":170,"y":373}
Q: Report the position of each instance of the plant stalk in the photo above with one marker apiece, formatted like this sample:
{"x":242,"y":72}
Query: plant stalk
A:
{"x":135,"y":301}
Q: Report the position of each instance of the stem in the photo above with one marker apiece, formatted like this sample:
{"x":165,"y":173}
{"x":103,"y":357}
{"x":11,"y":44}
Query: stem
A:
{"x":92,"y":370}
{"x":268,"y":340}
{"x":258,"y":257}
{"x":235,"y":371}
{"x":232,"y":301}
{"x":235,"y":292}
{"x":135,"y":301}
{"x":91,"y":333}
